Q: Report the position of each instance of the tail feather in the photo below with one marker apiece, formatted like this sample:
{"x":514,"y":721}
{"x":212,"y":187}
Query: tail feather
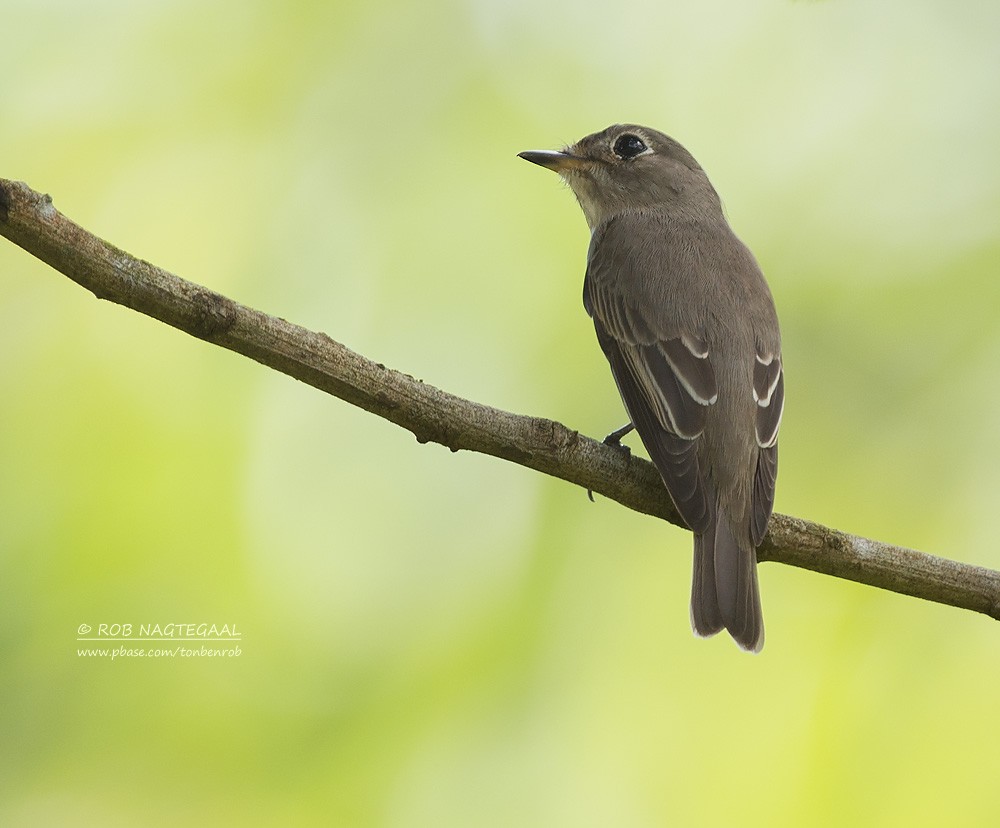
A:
{"x":706,"y":620}
{"x":724,"y":591}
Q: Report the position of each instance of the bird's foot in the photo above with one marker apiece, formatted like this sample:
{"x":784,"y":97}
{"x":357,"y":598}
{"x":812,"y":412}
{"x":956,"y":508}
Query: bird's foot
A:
{"x":614,"y":439}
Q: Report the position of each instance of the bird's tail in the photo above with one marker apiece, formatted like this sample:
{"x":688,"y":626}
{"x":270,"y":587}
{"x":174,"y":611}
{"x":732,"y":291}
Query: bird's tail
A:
{"x":724,"y":590}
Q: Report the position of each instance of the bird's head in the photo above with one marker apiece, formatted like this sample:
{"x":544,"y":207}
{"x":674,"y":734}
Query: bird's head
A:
{"x":629,"y":168}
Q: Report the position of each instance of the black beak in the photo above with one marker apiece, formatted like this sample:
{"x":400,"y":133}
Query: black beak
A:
{"x":552,"y":159}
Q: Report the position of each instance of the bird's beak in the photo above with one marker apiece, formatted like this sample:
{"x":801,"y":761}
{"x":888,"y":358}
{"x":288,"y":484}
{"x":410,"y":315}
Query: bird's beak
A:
{"x":553,"y":159}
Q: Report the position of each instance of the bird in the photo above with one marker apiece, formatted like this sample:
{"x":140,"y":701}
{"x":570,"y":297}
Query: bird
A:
{"x":689,"y":327}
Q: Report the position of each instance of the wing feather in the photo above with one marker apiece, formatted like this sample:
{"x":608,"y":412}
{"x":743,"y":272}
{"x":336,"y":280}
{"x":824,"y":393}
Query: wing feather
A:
{"x":675,"y":457}
{"x":769,"y":394}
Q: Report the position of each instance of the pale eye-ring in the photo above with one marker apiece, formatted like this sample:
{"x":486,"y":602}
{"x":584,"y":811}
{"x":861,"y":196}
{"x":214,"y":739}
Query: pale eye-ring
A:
{"x":628,"y":146}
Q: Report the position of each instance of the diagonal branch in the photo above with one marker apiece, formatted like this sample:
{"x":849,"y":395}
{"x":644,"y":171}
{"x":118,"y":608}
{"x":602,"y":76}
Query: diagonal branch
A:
{"x":29,"y":220}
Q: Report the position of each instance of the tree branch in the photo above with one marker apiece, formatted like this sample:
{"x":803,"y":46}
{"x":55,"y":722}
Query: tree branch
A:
{"x":29,"y":220}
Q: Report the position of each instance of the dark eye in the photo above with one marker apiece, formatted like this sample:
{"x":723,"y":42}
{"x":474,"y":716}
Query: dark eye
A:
{"x":628,"y":146}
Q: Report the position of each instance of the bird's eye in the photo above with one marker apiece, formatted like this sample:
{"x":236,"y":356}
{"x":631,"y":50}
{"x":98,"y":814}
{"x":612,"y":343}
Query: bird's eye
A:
{"x":628,"y":146}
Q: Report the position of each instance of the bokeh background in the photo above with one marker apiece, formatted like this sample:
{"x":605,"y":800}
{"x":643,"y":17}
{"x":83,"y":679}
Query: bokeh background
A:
{"x":438,"y":639}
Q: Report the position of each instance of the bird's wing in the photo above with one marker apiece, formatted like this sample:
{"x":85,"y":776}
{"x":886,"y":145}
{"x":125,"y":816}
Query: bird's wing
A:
{"x":675,"y":456}
{"x":769,"y":394}
{"x":666,"y":380}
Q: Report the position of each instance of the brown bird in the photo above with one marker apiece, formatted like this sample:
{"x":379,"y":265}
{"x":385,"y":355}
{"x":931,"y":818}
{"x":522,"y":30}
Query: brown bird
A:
{"x":687,"y":322}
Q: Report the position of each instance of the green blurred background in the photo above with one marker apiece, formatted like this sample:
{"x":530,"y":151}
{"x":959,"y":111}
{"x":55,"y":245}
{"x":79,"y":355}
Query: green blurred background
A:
{"x":437,"y":639}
